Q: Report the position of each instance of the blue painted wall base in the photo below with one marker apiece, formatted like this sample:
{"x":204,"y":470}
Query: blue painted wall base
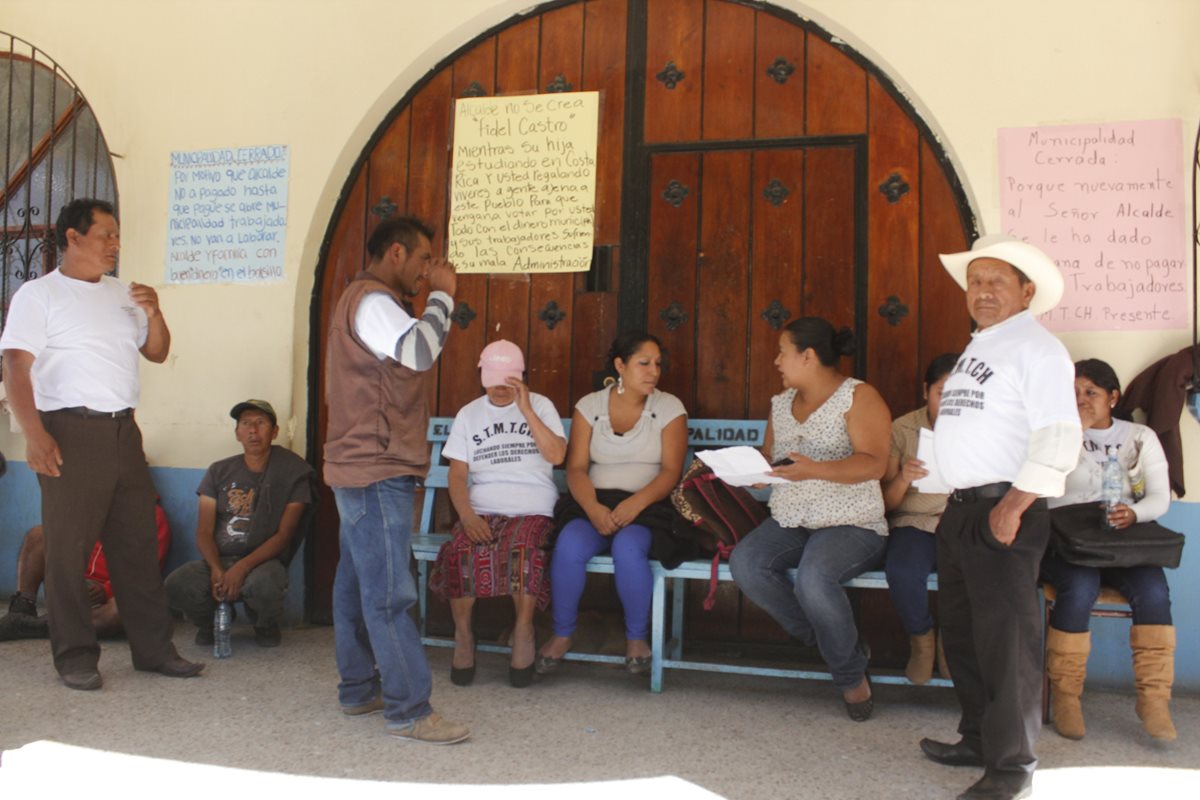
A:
{"x":21,"y":509}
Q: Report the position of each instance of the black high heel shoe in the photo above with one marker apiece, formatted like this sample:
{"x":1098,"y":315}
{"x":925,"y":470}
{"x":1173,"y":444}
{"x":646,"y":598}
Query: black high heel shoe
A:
{"x":861,"y":712}
{"x":520,"y":677}
{"x":464,"y":676}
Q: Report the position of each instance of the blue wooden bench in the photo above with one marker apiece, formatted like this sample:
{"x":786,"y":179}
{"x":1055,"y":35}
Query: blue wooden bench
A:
{"x":702,"y":434}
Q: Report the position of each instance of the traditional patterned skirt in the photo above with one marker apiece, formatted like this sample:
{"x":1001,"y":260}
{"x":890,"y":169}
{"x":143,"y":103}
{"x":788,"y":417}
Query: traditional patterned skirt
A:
{"x":513,"y":563}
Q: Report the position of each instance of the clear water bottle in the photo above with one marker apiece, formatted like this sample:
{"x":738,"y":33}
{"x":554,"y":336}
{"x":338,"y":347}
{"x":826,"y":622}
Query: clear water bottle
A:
{"x":222,"y":625}
{"x":1111,"y":486}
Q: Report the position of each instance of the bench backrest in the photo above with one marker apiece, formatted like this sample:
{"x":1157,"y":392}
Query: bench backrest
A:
{"x":703,"y":434}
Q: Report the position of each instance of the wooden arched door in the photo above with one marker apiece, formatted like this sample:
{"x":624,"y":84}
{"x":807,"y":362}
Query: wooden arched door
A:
{"x":751,"y":169}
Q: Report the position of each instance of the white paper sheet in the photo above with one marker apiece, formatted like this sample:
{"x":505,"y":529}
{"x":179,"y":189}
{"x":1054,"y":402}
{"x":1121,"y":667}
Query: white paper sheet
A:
{"x":739,"y":466}
{"x":931,"y":483}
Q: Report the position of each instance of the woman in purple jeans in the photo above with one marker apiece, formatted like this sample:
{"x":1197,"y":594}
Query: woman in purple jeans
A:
{"x":624,"y":456}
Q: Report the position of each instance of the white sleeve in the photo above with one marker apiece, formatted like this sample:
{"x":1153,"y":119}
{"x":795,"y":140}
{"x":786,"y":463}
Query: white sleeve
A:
{"x":456,"y":441}
{"x":1158,"y":484}
{"x":1053,"y":454}
{"x":379,"y":322}
{"x":667,"y":409}
{"x":547,"y":413}
{"x":25,"y":325}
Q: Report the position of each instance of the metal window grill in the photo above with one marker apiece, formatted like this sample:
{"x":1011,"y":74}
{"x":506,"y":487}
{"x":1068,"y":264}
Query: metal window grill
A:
{"x":53,"y":152}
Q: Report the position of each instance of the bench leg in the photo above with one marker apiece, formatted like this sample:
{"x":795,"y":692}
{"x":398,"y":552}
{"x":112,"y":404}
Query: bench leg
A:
{"x":657,"y":624}
{"x":678,"y":595}
{"x":423,"y":593}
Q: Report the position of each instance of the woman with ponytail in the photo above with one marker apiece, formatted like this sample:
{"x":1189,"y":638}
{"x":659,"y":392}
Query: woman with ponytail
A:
{"x":829,"y":436}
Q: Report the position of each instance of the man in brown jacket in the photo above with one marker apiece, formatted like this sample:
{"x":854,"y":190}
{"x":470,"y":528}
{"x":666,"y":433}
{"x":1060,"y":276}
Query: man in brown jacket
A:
{"x":378,"y":356}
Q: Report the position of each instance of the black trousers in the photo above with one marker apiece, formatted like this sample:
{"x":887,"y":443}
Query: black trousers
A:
{"x":104,"y":493}
{"x":991,"y":624}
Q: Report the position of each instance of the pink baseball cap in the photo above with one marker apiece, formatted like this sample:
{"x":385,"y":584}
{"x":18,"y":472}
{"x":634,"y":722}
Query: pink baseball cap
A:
{"x":500,"y":360}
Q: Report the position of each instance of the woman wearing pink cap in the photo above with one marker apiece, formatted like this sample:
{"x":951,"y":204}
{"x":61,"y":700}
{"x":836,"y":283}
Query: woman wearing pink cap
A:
{"x":508,"y":442}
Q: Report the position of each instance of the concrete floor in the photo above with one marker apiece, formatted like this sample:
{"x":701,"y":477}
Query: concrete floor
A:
{"x":275,"y":711}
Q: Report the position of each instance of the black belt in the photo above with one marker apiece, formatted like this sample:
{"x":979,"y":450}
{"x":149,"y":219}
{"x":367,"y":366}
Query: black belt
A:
{"x":988,"y":491}
{"x":84,"y":411}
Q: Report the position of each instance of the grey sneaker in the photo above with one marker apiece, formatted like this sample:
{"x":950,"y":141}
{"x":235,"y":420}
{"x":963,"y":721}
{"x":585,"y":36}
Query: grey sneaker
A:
{"x":373,"y":707}
{"x":432,"y":730}
{"x":16,"y":625}
{"x":20,"y":604}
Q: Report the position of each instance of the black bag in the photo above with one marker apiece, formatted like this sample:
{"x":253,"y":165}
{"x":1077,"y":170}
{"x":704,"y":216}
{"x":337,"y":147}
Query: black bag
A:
{"x":1078,"y":536}
{"x":715,"y":514}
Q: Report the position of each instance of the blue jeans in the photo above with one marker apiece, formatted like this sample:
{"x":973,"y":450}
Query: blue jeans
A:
{"x":1076,"y":589}
{"x":815,"y":609}
{"x":377,"y":644}
{"x":576,"y":544}
{"x":911,"y":557}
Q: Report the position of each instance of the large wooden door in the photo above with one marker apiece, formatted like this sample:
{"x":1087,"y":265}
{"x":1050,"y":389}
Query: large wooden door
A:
{"x":740,"y":242}
{"x":751,"y":169}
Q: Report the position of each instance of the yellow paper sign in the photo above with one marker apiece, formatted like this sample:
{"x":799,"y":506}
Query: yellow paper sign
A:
{"x":523,"y":190}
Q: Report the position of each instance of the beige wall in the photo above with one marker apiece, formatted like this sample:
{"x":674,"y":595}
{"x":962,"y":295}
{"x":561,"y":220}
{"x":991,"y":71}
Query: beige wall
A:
{"x":165,"y":75}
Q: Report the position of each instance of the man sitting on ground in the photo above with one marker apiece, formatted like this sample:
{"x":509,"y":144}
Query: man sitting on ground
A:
{"x":22,"y":620}
{"x":251,"y":507}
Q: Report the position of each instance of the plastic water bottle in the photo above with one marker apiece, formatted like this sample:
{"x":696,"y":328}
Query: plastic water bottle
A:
{"x":222,"y":623}
{"x":1112,"y":485}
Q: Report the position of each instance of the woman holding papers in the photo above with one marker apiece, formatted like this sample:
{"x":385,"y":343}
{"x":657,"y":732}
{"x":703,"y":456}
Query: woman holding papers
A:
{"x":624,"y":456}
{"x":913,"y":515}
{"x":828,"y":435}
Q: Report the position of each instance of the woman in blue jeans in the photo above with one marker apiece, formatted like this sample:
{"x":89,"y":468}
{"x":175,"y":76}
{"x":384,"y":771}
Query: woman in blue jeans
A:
{"x":913,"y":517}
{"x":831,"y":434}
{"x":1145,"y":497}
{"x":624,"y":455}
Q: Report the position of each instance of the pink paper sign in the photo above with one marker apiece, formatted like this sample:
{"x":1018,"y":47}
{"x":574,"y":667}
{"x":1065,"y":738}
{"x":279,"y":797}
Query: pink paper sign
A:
{"x":1106,"y":202}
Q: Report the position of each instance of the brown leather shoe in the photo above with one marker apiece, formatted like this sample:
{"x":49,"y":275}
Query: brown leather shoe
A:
{"x":179,"y":667}
{"x":85,"y":681}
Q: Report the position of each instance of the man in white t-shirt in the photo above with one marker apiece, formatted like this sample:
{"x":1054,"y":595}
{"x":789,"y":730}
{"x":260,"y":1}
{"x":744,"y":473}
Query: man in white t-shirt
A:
{"x":71,"y":346}
{"x":1007,"y":435}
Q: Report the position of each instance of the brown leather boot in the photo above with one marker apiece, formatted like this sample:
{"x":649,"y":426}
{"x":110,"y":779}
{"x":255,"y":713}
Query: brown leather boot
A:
{"x":1066,"y":666}
{"x":943,"y":664}
{"x":920,"y":658}
{"x":1153,"y":674}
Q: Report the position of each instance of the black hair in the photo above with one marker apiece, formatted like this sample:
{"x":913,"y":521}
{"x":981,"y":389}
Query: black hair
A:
{"x":1099,"y":373}
{"x":940,"y":367}
{"x":403,"y":230}
{"x":77,"y":215}
{"x":628,"y":343}
{"x":818,"y":334}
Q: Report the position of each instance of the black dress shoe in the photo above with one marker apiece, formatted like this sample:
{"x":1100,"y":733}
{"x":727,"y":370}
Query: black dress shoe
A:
{"x":520,"y":677}
{"x":462,"y":676}
{"x":178,"y":667}
{"x":996,"y":785}
{"x":959,"y":754}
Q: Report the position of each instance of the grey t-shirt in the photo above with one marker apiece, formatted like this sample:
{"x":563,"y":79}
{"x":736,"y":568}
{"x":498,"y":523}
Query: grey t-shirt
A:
{"x":631,"y":460}
{"x":236,"y":489}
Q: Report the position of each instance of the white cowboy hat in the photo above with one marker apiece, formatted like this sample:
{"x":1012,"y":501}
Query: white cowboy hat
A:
{"x":1036,"y":265}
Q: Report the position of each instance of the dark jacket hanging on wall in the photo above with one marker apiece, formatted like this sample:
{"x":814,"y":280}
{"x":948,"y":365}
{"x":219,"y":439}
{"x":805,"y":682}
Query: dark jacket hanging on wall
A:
{"x":1161,"y":390}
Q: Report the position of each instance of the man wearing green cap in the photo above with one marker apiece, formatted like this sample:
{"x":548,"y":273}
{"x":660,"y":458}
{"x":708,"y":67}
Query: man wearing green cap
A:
{"x":251,"y":507}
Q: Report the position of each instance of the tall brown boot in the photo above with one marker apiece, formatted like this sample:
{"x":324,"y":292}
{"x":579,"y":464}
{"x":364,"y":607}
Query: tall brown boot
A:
{"x":943,"y":664}
{"x":1066,"y":666}
{"x":1154,"y":673}
{"x":920,"y":658}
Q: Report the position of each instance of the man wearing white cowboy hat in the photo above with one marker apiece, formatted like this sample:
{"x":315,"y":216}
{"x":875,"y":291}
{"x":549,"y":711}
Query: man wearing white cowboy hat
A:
{"x":1007,"y":435}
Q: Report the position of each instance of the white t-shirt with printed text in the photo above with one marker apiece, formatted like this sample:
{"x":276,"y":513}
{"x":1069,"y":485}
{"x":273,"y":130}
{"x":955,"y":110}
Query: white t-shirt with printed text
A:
{"x":508,"y":475}
{"x":1014,"y":378}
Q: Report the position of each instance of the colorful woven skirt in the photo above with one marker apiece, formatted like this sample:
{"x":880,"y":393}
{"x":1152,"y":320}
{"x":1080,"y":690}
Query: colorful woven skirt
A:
{"x":513,"y":563}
